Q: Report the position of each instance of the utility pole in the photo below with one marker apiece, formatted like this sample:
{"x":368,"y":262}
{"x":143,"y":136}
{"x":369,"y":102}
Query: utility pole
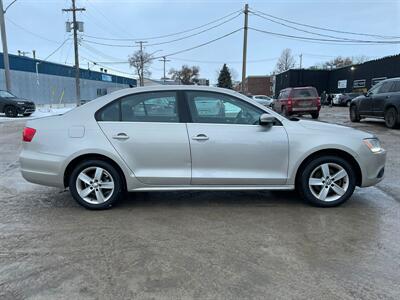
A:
{"x":164,"y":60}
{"x":141,"y":81}
{"x":245,"y":27}
{"x":301,"y":60}
{"x":5,"y":48}
{"x":74,"y":9}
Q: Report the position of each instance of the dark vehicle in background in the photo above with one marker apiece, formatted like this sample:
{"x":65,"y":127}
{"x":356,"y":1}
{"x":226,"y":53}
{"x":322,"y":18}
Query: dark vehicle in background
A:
{"x":381,"y":101}
{"x":12,"y":106}
{"x":345,"y":99}
{"x":299,"y":101}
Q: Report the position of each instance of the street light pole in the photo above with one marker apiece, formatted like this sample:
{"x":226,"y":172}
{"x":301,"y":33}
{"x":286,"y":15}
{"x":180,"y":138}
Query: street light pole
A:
{"x":5,"y":48}
{"x":245,"y":28}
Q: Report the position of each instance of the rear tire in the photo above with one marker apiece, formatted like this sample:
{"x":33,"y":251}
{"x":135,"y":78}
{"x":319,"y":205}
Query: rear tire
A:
{"x":96,"y":184}
{"x":326,"y":181}
{"x":11,"y":111}
{"x":391,"y":118}
{"x":27,"y":115}
{"x":285,"y":111}
{"x":315,"y":115}
{"x":354,"y":116}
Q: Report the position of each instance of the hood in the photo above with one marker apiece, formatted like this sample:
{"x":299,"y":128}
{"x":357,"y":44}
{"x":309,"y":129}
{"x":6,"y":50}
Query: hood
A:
{"x":323,"y":127}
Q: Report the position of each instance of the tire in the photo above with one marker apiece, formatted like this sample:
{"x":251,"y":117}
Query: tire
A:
{"x":285,"y":111}
{"x":354,"y":116}
{"x":27,"y":115}
{"x":11,"y":111}
{"x":98,"y":196}
{"x":321,"y":191}
{"x":315,"y":115}
{"x":392,"y":118}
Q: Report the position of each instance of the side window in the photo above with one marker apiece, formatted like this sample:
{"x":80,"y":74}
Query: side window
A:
{"x":109,"y":113}
{"x":395,"y":86}
{"x":150,"y":107}
{"x":385,"y":87}
{"x":374,"y":89}
{"x":208,"y":107}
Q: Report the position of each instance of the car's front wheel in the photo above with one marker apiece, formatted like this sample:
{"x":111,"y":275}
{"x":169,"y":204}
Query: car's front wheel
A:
{"x":95,"y":184}
{"x":354,"y":116}
{"x":326,"y":181}
{"x":11,"y":111}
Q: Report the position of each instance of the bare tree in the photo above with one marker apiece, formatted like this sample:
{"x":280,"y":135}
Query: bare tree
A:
{"x":285,"y":62}
{"x":186,"y":75}
{"x":141,"y":62}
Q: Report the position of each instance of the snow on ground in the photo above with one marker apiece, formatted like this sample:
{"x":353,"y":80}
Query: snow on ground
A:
{"x":40,"y":112}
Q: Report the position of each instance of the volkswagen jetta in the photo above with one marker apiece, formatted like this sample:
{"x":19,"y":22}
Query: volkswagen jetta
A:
{"x":194,"y":138}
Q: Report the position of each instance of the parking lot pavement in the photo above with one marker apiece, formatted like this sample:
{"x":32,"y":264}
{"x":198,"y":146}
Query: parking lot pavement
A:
{"x":231,"y":245}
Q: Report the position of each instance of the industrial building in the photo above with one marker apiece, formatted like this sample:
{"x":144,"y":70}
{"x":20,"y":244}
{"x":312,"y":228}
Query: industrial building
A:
{"x":51,"y":83}
{"x":354,"y":78}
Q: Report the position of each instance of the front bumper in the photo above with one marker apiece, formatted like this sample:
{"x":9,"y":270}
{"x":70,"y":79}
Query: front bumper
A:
{"x":26,"y":109}
{"x":373,"y":168}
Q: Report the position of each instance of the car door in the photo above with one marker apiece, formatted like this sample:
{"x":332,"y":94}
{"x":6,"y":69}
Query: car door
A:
{"x":366,"y":104}
{"x":379,"y":99}
{"x":229,"y":147}
{"x":146,"y":131}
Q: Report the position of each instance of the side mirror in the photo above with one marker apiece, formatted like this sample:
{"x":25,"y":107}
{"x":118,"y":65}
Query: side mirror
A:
{"x":267,"y":119}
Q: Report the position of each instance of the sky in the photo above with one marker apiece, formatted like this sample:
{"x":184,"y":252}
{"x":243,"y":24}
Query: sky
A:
{"x":40,"y":25}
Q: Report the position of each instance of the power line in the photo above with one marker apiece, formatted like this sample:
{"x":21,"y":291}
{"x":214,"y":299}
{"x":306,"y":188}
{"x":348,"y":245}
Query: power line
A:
{"x":354,"y":42}
{"x":31,"y":32}
{"x":58,"y":48}
{"x":166,"y":35}
{"x":223,"y":61}
{"x":327,"y":29}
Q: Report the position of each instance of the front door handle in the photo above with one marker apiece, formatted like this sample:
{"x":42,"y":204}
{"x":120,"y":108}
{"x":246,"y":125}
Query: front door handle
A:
{"x":120,"y":136}
{"x":200,"y":137}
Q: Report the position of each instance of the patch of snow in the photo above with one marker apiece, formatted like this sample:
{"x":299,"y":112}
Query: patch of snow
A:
{"x":40,"y":112}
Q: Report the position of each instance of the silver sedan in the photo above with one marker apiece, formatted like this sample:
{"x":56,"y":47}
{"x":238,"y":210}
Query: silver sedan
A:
{"x":194,"y":138}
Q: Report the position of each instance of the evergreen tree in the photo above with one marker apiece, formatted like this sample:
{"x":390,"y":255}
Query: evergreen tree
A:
{"x":224,"y":78}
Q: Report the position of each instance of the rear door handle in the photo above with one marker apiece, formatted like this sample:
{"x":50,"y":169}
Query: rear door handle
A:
{"x":200,"y":137}
{"x":120,"y":136}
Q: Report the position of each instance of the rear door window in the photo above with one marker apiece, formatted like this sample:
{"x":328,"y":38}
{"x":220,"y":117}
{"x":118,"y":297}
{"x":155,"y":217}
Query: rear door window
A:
{"x":305,"y":93}
{"x":395,"y":86}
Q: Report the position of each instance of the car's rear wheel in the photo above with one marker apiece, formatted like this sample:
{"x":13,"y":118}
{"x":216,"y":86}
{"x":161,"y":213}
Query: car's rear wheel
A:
{"x":285,"y":111}
{"x":354,"y":116}
{"x":326,"y":181}
{"x":27,"y":114}
{"x":315,"y":115}
{"x":10,"y":111}
{"x":391,"y":117}
{"x":95,"y":184}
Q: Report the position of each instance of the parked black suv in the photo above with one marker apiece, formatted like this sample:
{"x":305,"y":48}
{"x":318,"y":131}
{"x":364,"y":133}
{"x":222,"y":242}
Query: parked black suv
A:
{"x":12,"y":106}
{"x":381,"y":101}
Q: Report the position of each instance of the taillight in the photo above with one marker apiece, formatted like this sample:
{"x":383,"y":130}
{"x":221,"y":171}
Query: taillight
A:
{"x":28,"y":134}
{"x":319,"y":101}
{"x":289,"y":102}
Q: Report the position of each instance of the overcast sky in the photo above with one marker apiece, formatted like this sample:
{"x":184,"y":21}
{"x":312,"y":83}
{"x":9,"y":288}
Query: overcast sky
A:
{"x":40,"y":25}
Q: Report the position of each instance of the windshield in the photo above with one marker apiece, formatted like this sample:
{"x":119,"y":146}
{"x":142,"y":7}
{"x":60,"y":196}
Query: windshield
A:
{"x":5,"y":94}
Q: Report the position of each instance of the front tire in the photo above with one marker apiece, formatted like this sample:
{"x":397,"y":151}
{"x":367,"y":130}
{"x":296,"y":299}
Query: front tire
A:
{"x":326,"y":181}
{"x":354,"y":116}
{"x":95,"y":184}
{"x":11,"y":111}
{"x":391,"y":118}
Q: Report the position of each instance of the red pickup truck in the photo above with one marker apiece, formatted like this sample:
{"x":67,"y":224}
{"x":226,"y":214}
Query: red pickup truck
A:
{"x":299,"y":100}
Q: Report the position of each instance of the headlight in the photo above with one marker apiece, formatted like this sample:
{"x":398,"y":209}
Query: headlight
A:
{"x":373,"y":144}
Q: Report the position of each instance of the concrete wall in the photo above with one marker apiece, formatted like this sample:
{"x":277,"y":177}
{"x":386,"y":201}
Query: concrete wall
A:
{"x":53,"y":89}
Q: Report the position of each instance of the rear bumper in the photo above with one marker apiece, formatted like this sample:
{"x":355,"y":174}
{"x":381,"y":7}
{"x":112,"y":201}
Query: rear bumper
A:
{"x":42,"y":168}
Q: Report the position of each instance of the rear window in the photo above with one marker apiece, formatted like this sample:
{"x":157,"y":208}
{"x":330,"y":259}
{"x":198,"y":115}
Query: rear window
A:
{"x":304,"y":93}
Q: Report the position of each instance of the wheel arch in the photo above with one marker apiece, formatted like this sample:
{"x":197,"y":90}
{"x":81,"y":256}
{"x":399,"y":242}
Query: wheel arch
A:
{"x":77,"y":160}
{"x":335,"y":152}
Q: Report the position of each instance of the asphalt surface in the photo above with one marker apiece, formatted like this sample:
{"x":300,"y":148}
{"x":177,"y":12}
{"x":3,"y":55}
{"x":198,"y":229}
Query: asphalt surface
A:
{"x":205,"y":245}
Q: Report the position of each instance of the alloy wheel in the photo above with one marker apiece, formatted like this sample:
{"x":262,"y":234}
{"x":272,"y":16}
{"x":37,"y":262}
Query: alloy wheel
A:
{"x":95,"y":185}
{"x":328,"y":182}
